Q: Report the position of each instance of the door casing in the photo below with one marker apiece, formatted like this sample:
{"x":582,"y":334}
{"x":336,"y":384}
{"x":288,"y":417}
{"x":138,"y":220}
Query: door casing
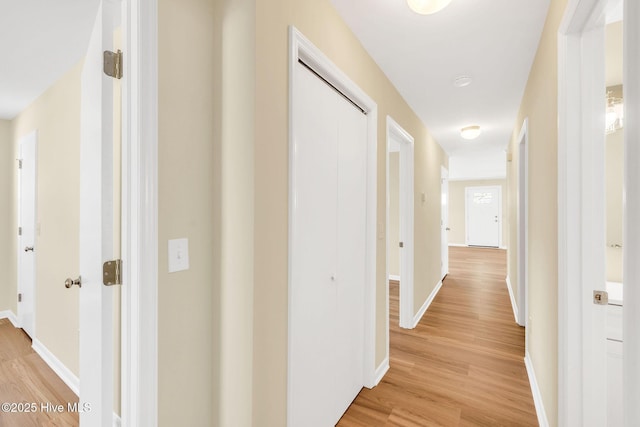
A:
{"x":399,"y":140}
{"x":581,"y":214}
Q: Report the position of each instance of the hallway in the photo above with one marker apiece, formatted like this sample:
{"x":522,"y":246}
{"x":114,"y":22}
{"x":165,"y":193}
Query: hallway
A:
{"x":463,"y":365}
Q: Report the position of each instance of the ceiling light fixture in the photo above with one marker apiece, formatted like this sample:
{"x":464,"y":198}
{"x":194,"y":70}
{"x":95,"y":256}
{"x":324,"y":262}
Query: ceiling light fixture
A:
{"x":427,"y":7}
{"x":470,"y":132}
{"x":462,"y":81}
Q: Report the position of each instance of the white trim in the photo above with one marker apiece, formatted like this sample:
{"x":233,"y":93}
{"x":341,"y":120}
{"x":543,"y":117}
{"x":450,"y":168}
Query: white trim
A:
{"x":65,"y":374}
{"x":522,"y":236}
{"x":381,"y":371}
{"x":535,"y":391}
{"x":394,"y":277}
{"x":139,"y":371}
{"x":458,"y":245}
{"x":8,"y":314}
{"x":399,"y":138}
{"x":514,"y":306}
{"x":631,"y":275}
{"x":581,"y":234}
{"x":466,"y":212}
{"x":425,"y":306}
{"x":301,"y":48}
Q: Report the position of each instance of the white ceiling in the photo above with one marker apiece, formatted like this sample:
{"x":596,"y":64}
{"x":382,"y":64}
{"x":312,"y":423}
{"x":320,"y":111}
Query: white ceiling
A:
{"x":494,"y":42}
{"x":40,"y":40}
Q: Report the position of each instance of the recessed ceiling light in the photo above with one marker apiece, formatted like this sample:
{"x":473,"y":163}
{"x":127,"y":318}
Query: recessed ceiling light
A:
{"x":427,"y":7}
{"x":470,"y":132}
{"x":462,"y":81}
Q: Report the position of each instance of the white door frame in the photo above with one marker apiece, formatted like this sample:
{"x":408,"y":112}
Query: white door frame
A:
{"x":139,"y":378}
{"x":405,"y":144}
{"x":444,"y":222}
{"x":466,"y":211}
{"x":523,"y":221}
{"x":301,"y":49}
{"x":20,"y":248}
{"x":581,"y":215}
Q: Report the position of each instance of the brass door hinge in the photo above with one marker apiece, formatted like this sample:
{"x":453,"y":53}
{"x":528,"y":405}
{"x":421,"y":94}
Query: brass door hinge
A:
{"x":112,"y":272}
{"x":113,"y":64}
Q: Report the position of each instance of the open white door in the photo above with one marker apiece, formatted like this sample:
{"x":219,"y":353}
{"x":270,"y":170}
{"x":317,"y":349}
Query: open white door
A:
{"x":96,"y":224}
{"x":27,"y":238}
{"x":444,"y":220}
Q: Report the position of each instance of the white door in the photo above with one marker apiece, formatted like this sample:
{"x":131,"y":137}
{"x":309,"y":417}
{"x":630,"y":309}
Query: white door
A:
{"x":483,"y":216}
{"x":27,"y":238}
{"x":96,"y":224}
{"x":444,"y":220}
{"x":327,"y":254}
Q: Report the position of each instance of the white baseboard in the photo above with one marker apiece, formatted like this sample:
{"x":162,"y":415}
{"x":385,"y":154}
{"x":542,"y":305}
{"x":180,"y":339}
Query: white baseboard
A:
{"x":394,"y":277}
{"x":535,"y":390}
{"x":425,"y":306}
{"x":513,"y":299}
{"x":8,"y":314}
{"x":68,"y":377}
{"x":457,"y":245}
{"x":503,"y":247}
{"x":381,"y":371}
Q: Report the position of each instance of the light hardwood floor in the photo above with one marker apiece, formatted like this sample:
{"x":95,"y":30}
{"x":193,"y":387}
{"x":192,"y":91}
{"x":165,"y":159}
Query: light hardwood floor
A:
{"x":463,"y":364}
{"x":26,"y":379}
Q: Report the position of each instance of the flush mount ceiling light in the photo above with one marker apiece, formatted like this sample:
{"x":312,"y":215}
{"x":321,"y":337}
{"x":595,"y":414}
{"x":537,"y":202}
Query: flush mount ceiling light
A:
{"x":427,"y":7}
{"x":462,"y":81}
{"x":470,"y":132}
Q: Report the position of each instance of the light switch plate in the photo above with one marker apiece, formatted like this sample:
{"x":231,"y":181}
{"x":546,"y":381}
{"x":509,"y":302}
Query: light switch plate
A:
{"x":178,"y":255}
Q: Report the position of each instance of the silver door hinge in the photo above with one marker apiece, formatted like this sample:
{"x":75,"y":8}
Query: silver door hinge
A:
{"x":19,"y":297}
{"x":19,"y":231}
{"x":19,"y":163}
{"x":402,"y":244}
{"x":113,"y":64}
{"x":112,"y":272}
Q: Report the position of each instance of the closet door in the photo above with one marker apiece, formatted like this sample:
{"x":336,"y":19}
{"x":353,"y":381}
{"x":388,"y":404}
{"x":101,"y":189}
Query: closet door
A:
{"x":327,"y":253}
{"x":313,"y":254}
{"x":351,"y":251}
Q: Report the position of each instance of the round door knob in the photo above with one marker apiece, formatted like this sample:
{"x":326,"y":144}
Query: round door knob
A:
{"x":28,"y":248}
{"x":70,"y":282}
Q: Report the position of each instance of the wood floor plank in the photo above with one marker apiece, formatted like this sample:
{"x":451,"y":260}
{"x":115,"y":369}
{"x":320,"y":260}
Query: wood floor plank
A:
{"x":463,"y":365}
{"x":26,"y":379}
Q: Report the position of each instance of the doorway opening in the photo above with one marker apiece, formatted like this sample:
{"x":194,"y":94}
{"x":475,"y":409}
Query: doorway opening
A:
{"x":400,"y":217}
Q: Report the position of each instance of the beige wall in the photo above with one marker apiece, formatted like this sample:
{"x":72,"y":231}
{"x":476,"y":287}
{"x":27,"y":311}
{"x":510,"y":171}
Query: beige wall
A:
{"x":457,"y":234}
{"x":56,"y":117}
{"x":394,"y":214}
{"x":7,"y":250}
{"x":320,"y":22}
{"x":614,"y":183}
{"x":188,"y":307}
{"x":539,"y":104}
